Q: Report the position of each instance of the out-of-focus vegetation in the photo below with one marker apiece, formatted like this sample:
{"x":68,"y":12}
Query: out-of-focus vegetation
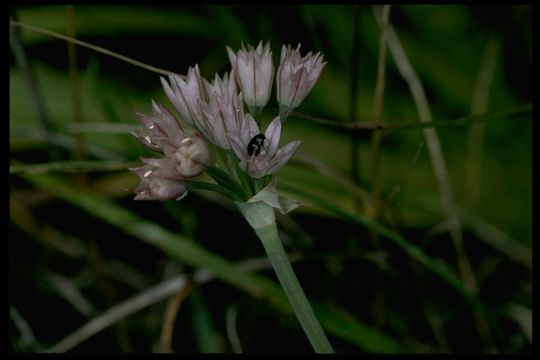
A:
{"x":79,"y":245}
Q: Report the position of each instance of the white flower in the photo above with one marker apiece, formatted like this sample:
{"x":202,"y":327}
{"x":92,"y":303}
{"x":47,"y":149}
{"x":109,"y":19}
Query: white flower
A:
{"x":296,"y":77}
{"x":258,"y":153}
{"x":254,"y":72}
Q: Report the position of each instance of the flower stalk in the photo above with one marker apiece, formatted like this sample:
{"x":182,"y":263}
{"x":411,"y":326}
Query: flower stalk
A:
{"x":261,"y":218}
{"x":224,"y":141}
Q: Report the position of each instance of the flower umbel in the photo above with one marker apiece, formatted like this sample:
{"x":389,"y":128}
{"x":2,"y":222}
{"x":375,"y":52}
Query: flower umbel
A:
{"x":295,"y":78}
{"x":216,"y":110}
{"x":245,"y":174}
{"x":254,"y":72}
{"x":266,"y":158}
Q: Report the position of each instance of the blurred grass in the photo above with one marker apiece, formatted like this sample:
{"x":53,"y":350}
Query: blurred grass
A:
{"x":190,"y":253}
{"x":114,"y":20}
{"x":444,"y":43}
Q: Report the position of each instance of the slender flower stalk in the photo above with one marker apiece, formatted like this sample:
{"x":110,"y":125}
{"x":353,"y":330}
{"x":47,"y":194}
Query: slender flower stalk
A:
{"x":295,"y":78}
{"x":254,"y":73}
{"x":262,"y":219}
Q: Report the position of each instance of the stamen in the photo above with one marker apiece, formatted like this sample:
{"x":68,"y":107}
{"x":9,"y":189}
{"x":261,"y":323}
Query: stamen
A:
{"x":186,"y":140}
{"x":148,"y":173}
{"x":147,"y":138}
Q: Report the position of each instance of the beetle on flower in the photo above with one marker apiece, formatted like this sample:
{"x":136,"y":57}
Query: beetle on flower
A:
{"x":259,"y":155}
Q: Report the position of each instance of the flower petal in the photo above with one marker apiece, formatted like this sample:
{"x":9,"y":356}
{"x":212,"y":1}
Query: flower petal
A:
{"x":177,"y":98}
{"x":239,"y":148}
{"x":272,"y":134}
{"x":283,"y":155}
{"x":232,"y":56}
{"x":249,"y":129}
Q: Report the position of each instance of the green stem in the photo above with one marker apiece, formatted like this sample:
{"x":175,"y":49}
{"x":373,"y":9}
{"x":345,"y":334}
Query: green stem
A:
{"x":262,"y":219}
{"x":293,"y":290}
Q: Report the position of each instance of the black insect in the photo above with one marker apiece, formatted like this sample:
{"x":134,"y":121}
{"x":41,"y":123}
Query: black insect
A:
{"x":256,"y":144}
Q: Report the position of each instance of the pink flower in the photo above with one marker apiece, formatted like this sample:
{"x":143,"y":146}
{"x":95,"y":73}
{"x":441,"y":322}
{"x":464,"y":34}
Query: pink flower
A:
{"x":159,"y":180}
{"x":296,"y":77}
{"x":222,"y":116}
{"x":185,"y":156}
{"x":254,"y":72}
{"x":258,"y":153}
{"x":163,"y":133}
{"x":224,"y":113}
{"x":186,"y":95}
